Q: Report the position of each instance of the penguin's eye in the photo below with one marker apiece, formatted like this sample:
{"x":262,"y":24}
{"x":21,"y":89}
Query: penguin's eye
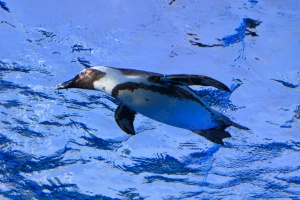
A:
{"x":82,"y":73}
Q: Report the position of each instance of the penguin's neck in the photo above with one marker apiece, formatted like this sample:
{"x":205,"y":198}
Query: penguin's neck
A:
{"x":113,"y":78}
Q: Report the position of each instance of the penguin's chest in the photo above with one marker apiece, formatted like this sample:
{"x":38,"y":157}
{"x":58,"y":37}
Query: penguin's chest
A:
{"x":169,"y":107}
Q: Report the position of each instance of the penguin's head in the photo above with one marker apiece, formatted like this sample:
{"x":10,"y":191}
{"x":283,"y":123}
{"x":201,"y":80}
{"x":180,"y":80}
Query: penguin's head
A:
{"x":84,"y":80}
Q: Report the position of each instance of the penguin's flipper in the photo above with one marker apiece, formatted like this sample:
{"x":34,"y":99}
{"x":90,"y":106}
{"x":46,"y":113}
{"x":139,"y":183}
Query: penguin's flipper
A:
{"x":188,"y":79}
{"x":215,"y":135}
{"x":124,"y":117}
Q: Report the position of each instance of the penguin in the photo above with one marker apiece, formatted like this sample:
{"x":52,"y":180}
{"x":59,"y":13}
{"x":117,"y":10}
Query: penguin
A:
{"x":165,"y":98}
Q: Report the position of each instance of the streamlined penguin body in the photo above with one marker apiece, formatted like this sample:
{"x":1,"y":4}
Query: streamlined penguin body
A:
{"x":166,"y":99}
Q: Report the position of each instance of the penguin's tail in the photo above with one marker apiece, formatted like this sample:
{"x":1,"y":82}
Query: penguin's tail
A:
{"x":217,"y":134}
{"x":227,"y":122}
{"x":238,"y":126}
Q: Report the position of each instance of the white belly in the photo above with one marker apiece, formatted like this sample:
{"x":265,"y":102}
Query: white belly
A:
{"x":173,"y":111}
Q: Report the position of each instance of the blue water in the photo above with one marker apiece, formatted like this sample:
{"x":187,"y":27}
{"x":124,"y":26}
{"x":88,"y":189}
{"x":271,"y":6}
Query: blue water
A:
{"x":66,"y":144}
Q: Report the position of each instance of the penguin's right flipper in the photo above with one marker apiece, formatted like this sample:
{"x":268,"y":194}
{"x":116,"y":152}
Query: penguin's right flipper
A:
{"x":124,"y":117}
{"x":215,"y":135}
{"x":189,"y":79}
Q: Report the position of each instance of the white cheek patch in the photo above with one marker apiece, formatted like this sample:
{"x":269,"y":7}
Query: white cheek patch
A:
{"x":105,"y":84}
{"x":112,"y":78}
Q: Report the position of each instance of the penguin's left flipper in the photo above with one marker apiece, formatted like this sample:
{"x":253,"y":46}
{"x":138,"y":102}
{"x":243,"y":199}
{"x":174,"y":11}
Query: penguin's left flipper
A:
{"x":124,"y":117}
{"x":214,"y":135}
{"x":188,"y":79}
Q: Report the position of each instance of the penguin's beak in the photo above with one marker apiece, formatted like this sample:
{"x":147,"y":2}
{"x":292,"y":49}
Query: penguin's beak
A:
{"x":64,"y":85}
